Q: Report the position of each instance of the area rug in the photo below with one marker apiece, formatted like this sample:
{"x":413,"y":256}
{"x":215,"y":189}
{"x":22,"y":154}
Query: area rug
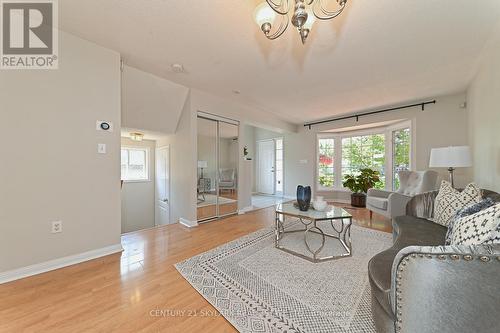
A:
{"x":259,"y":288}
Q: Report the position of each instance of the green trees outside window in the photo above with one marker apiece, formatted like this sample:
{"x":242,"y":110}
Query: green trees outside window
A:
{"x":400,"y":153}
{"x":360,"y":152}
{"x":326,"y":172}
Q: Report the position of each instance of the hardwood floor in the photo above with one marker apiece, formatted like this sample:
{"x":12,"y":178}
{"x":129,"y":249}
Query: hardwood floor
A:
{"x":121,"y":292}
{"x":205,"y":212}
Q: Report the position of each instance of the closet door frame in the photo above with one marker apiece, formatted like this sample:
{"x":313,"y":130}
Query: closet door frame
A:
{"x":218,"y":120}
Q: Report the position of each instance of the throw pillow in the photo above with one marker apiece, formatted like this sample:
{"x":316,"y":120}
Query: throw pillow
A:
{"x":466,"y":211}
{"x":449,"y":201}
{"x":478,"y":228}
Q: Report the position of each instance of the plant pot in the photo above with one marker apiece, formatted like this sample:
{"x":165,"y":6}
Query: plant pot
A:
{"x":358,"y":200}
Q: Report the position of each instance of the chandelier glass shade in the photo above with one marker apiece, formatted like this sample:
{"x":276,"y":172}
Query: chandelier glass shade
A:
{"x":273,"y":16}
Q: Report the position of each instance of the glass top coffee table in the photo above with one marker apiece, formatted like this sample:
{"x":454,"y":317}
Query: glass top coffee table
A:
{"x":316,"y":230}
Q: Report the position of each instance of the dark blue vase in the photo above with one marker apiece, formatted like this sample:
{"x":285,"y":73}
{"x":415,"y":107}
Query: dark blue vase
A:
{"x":304,"y":197}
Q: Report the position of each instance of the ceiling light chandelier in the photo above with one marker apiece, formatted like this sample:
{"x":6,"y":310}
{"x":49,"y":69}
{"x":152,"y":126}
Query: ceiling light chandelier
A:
{"x":304,"y":14}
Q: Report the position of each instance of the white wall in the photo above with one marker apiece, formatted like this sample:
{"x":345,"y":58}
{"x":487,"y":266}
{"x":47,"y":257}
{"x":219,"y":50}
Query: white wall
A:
{"x":138,"y":197}
{"x":50,"y":167}
{"x":151,"y":103}
{"x":484,"y":117}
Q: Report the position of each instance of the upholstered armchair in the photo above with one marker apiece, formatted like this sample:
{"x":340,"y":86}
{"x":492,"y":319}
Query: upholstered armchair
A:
{"x":227,"y":179}
{"x":392,"y":204}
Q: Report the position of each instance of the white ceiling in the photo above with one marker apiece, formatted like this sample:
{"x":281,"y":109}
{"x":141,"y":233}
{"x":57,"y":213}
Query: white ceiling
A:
{"x":376,"y":53}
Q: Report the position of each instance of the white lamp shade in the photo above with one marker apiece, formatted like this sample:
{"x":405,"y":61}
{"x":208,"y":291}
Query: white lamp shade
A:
{"x":451,"y":157}
{"x":264,"y":14}
{"x":202,"y":164}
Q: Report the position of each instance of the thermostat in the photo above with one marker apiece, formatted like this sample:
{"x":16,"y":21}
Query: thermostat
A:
{"x":102,"y":125}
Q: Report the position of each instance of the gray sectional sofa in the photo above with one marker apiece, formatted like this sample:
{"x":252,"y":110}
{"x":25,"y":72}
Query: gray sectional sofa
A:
{"x":421,"y":285}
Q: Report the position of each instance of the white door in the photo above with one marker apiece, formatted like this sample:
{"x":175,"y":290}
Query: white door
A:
{"x":162,"y":204}
{"x":265,"y":166}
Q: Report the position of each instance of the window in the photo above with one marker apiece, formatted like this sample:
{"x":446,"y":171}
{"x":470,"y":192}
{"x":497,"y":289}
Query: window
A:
{"x":279,"y":165}
{"x":326,"y":170}
{"x":386,"y":150}
{"x":367,"y":151}
{"x":400,"y":153}
{"x":134,"y":164}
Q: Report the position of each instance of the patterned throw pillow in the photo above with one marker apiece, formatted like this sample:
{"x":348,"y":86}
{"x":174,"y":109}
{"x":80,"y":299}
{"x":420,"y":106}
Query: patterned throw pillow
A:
{"x":478,"y":228}
{"x":466,"y":211}
{"x":449,"y":201}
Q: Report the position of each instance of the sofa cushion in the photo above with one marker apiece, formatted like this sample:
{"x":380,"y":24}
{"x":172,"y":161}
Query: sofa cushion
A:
{"x":478,"y":228}
{"x":408,"y":230}
{"x":380,"y":203}
{"x":449,"y":201}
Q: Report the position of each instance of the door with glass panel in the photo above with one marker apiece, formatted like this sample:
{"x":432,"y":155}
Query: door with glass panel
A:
{"x":217,"y":182}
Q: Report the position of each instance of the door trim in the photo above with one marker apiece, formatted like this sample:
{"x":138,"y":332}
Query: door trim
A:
{"x":169,"y":183}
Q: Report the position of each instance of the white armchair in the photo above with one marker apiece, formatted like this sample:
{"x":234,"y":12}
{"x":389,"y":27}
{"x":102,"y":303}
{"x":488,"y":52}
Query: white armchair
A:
{"x":227,"y":179}
{"x":392,"y":204}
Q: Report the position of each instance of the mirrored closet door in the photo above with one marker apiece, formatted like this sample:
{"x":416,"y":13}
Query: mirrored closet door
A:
{"x":217,"y":190}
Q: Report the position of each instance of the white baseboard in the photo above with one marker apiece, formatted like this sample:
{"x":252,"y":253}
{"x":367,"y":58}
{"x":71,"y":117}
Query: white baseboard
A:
{"x":51,"y":265}
{"x":188,"y":223}
{"x":246,"y":210}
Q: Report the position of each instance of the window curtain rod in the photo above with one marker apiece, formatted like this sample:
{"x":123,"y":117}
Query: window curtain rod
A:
{"x":356,"y":116}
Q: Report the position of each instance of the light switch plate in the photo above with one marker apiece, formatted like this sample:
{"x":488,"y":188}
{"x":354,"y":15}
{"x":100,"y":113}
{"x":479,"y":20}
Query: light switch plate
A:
{"x":56,"y":227}
{"x":101,"y":148}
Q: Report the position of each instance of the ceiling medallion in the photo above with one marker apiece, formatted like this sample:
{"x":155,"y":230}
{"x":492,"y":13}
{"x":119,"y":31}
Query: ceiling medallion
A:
{"x":304,"y":14}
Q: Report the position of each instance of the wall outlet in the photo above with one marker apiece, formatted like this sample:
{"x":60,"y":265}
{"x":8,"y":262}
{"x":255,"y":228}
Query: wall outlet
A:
{"x":56,"y":227}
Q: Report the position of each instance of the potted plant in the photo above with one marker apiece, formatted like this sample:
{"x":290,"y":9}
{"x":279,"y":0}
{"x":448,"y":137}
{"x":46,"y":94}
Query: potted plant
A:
{"x":359,"y":185}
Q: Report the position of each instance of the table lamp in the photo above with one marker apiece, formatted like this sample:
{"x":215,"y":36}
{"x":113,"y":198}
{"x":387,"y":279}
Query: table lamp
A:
{"x":451,"y":158}
{"x":202,"y":165}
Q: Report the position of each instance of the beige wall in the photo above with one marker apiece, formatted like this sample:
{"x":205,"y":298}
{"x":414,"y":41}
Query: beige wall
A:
{"x":484,"y":122}
{"x":50,"y":168}
{"x":183,"y":166}
{"x":151,"y":103}
{"x":439,"y":125}
{"x":246,"y":172}
{"x":138,"y":197}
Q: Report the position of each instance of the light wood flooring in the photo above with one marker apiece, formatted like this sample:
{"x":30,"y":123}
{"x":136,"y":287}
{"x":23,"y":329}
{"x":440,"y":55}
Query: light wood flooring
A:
{"x":120,"y":293}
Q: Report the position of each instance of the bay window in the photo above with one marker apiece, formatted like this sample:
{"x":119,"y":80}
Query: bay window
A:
{"x":326,"y":169}
{"x":386,"y":150}
{"x":400,"y":153}
{"x":367,"y":151}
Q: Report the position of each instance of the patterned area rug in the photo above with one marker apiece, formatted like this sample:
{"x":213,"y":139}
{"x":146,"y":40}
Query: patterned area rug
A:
{"x":259,"y":288}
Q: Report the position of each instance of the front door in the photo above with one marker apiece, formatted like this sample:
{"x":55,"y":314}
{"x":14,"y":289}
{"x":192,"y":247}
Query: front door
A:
{"x":162,"y":197}
{"x":265,"y":166}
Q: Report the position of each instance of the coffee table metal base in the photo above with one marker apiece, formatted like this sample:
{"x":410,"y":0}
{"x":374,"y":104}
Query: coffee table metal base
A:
{"x":342,"y":235}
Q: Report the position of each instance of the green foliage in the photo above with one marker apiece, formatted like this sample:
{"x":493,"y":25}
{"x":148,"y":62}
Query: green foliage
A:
{"x":366,"y":179}
{"x":367,"y":151}
{"x":326,"y":181}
